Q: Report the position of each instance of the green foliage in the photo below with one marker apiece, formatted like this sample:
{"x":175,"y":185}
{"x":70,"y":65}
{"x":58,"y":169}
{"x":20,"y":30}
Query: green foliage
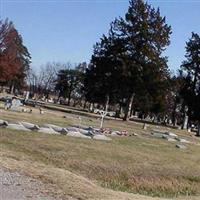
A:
{"x":191,"y":68}
{"x":70,"y":82}
{"x":129,"y":62}
{"x":103,"y":75}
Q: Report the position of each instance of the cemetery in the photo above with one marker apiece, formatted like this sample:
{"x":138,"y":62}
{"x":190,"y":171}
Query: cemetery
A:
{"x":106,"y":139}
{"x":104,"y":101}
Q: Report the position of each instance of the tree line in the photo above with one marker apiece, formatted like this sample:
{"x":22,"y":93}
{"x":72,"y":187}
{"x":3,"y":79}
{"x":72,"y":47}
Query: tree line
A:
{"x":127,"y":72}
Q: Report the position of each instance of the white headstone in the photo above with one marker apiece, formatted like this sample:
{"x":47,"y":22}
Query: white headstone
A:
{"x":185,"y":123}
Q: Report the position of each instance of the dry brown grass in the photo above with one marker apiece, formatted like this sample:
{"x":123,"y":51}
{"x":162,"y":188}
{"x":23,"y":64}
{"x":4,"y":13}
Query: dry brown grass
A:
{"x":134,"y":164}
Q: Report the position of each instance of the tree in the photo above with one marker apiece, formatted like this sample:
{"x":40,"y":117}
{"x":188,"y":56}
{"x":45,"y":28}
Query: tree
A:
{"x":42,"y":82}
{"x":130,"y":60}
{"x":145,"y":35}
{"x":14,"y":56}
{"x":47,"y":77}
{"x":79,"y":93}
{"x":191,"y":89}
{"x":174,"y":100}
{"x":101,"y":80}
{"x":69,"y":82}
{"x":32,"y":81}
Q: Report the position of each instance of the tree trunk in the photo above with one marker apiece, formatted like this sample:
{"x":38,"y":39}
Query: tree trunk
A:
{"x":198,"y":130}
{"x":118,"y":110}
{"x":91,"y":107}
{"x":128,"y":107}
{"x":74,"y":104}
{"x":12,"y":88}
{"x":174,"y":114}
{"x":107,"y":102}
{"x":85,"y":103}
{"x":1,"y":88}
{"x":69,"y":99}
{"x":132,"y":110}
{"x":185,"y":122}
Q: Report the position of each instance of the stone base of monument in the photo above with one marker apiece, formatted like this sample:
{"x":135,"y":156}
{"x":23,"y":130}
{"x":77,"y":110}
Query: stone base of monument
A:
{"x":17,"y":127}
{"x":3,"y":123}
{"x":15,"y":109}
{"x":47,"y":130}
{"x":56,"y":128}
{"x":30,"y":126}
{"x":180,"y":146}
{"x":76,"y":131}
{"x":77,"y":134}
{"x":169,"y":136}
{"x":101,"y":137}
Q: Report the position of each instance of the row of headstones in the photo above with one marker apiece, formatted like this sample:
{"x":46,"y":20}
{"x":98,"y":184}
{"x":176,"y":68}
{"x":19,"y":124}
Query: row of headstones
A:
{"x":169,"y":136}
{"x":88,"y":133}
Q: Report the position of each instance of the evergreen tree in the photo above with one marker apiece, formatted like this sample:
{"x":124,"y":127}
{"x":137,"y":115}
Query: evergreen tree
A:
{"x":128,"y":63}
{"x":191,"y":68}
{"x":145,"y":35}
{"x":102,"y":75}
{"x":68,"y":83}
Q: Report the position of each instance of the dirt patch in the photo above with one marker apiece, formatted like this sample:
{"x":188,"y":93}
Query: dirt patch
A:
{"x":15,"y":186}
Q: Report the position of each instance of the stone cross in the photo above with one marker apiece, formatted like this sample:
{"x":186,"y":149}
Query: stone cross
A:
{"x":103,"y":114}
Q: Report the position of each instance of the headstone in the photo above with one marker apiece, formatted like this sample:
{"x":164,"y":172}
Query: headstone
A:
{"x":3,"y":123}
{"x":30,"y":125}
{"x":115,"y":133}
{"x":185,"y":122}
{"x":171,"y":134}
{"x":134,"y":134}
{"x":41,"y":111}
{"x":87,"y":132}
{"x":145,"y":126}
{"x":7,"y":104}
{"x":24,"y":110}
{"x":15,"y":105}
{"x":27,"y":95}
{"x":157,"y":133}
{"x":182,"y":140}
{"x":189,"y":130}
{"x":180,"y":146}
{"x":73,"y":129}
{"x":77,"y":134}
{"x":17,"y":127}
{"x":101,"y":137}
{"x":47,"y":130}
{"x":91,"y":107}
{"x":171,"y":140}
{"x":56,"y":128}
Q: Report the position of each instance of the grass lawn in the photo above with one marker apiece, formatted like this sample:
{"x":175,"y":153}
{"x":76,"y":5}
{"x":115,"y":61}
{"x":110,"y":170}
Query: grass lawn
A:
{"x":141,"y":164}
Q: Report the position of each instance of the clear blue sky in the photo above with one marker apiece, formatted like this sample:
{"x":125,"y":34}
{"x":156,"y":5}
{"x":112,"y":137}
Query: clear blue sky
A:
{"x":65,"y":30}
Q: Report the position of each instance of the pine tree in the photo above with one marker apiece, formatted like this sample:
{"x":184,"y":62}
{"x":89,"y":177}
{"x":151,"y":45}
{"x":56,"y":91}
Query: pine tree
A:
{"x":128,"y":63}
{"x":102,"y":76}
{"x":145,"y":35}
{"x":191,"y":89}
{"x":68,"y":82}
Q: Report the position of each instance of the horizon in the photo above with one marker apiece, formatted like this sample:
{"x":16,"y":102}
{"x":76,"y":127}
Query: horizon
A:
{"x":65,"y":31}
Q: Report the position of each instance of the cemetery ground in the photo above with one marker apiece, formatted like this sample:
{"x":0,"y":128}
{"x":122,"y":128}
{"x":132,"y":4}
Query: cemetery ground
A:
{"x":88,"y":169}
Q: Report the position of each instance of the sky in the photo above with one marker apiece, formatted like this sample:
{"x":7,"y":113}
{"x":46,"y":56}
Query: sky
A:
{"x":66,"y":30}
